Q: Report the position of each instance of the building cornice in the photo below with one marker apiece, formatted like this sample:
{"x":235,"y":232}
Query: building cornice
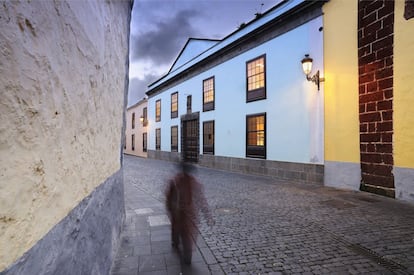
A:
{"x":299,"y":15}
{"x":142,"y":101}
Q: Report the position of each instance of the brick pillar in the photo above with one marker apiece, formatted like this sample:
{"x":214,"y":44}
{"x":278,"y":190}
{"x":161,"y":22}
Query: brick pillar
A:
{"x":375,"y":60}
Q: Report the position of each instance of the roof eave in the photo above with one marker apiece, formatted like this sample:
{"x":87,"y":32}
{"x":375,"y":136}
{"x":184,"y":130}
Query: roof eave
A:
{"x":299,"y":8}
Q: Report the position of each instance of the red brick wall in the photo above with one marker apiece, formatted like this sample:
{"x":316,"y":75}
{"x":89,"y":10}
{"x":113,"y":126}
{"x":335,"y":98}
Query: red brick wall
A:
{"x":375,"y":60}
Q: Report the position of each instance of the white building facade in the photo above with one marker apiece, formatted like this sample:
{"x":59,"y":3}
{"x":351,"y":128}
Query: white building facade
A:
{"x":243,"y":103}
{"x":136,"y":135}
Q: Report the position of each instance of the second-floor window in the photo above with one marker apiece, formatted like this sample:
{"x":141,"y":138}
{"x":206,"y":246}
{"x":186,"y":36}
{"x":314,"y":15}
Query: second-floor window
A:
{"x":133,"y":120}
{"x":256,"y":79}
{"x":174,"y":105}
{"x":208,"y":94}
{"x":189,"y":103}
{"x":145,"y":116}
{"x":174,"y":138}
{"x":158,"y":110}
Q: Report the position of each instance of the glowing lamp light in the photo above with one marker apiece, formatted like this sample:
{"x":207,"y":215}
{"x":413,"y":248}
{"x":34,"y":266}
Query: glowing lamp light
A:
{"x":307,"y":64}
{"x":307,"y":68}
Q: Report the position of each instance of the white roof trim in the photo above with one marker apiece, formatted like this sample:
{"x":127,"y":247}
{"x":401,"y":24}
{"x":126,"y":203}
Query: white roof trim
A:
{"x":267,"y":17}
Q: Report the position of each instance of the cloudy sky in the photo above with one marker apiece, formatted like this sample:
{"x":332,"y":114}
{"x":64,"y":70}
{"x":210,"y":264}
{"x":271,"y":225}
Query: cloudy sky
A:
{"x":160,"y":29}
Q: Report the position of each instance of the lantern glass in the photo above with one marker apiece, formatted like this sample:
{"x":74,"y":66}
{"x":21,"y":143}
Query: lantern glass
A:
{"x":307,"y":64}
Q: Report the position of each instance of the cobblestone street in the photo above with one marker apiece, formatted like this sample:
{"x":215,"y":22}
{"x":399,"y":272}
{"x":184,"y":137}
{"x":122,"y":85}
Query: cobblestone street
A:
{"x":264,"y":226}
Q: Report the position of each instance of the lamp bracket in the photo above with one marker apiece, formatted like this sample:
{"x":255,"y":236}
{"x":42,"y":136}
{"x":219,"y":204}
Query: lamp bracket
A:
{"x":316,"y":79}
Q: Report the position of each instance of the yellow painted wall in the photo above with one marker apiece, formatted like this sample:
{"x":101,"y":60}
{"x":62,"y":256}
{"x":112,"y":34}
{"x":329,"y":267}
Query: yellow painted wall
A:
{"x":341,"y":81}
{"x":403,"y":88}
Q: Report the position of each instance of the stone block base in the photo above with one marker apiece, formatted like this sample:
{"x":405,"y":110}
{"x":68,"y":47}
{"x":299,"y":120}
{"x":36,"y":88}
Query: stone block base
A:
{"x":379,"y":190}
{"x":343,"y":175}
{"x":404,"y":184}
{"x":298,"y":172}
{"x":163,"y":155}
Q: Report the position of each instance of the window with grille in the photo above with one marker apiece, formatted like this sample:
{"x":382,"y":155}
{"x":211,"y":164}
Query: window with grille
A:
{"x":158,"y":110}
{"x":256,"y":79}
{"x":256,"y":136}
{"x":208,"y":94}
{"x":174,"y":139}
{"x":158,"y":139}
{"x":174,"y":105}
{"x":133,"y":142}
{"x":208,"y":137}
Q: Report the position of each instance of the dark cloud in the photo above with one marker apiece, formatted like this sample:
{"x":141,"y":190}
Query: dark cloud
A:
{"x":164,"y":42}
{"x":138,"y":87}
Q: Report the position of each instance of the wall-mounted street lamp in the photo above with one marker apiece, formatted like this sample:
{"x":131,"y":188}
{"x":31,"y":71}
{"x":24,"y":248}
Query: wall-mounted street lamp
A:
{"x":307,"y":68}
{"x":141,"y":118}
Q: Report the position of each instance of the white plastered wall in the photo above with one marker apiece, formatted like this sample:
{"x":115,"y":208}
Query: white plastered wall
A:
{"x":294,"y":106}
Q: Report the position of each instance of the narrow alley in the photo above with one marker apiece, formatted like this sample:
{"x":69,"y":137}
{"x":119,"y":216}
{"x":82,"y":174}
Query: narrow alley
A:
{"x":265,"y":226}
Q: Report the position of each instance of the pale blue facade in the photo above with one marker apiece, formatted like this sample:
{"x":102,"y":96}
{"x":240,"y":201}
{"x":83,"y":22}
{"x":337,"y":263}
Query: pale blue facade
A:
{"x":293,"y":105}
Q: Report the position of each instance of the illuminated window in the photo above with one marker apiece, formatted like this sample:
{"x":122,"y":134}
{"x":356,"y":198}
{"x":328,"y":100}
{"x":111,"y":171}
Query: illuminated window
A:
{"x":256,"y":136}
{"x":256,"y":78}
{"x":158,"y":139}
{"x":174,"y":105}
{"x":144,"y":142}
{"x":208,"y":137}
{"x":174,"y":138}
{"x":158,"y":110}
{"x":208,"y":94}
{"x":133,"y":142}
{"x":133,"y":120}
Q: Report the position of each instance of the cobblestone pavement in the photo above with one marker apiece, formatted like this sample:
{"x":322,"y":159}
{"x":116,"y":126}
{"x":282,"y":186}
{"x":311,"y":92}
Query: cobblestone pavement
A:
{"x":266,"y":226}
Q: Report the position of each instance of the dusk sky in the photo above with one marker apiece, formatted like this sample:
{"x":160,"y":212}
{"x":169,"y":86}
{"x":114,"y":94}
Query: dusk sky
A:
{"x":160,"y":29}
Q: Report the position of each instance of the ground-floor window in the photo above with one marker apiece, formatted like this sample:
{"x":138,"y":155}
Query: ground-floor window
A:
{"x":158,"y":139}
{"x":133,"y":142}
{"x":144,"y":142}
{"x":208,"y":137}
{"x":256,"y":136}
{"x":174,"y":138}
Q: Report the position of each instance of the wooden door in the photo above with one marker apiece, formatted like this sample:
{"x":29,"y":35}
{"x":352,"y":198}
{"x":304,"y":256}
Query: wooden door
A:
{"x":190,"y":140}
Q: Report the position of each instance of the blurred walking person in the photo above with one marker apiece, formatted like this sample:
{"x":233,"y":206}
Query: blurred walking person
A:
{"x":184,"y":200}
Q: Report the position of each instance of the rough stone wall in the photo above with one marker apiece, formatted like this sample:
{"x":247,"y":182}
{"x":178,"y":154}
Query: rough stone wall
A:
{"x":62,"y":82}
{"x":86,"y":241}
{"x":375,"y":58}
